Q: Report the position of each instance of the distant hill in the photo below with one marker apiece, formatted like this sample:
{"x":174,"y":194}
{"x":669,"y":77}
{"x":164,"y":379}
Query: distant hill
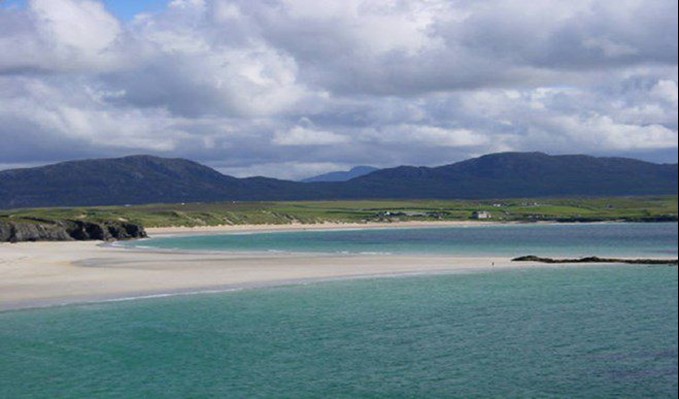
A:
{"x":146,"y":179}
{"x":358,"y":171}
{"x":130,"y":180}
{"x":512,"y":175}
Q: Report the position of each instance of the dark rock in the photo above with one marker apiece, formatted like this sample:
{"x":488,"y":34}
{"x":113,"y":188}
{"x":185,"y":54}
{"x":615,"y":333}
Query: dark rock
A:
{"x":68,"y":230}
{"x":134,"y":230}
{"x":123,"y":231}
{"x":6,"y":232}
{"x":595,"y":259}
{"x":29,"y":231}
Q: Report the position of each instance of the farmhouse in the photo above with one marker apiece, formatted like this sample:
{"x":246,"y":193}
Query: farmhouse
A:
{"x":480,"y":215}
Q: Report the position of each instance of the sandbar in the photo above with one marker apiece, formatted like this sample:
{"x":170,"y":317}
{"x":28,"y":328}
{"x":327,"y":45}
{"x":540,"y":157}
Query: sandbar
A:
{"x":57,"y":273}
{"x":224,"y":229}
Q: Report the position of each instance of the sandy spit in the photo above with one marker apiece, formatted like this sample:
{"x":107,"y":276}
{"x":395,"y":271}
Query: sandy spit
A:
{"x":56,"y":273}
{"x":225,"y":229}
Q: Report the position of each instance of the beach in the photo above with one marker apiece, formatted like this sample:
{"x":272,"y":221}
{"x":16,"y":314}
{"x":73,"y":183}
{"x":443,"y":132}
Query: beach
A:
{"x":55,"y":273}
{"x":261,"y":228}
{"x":40,"y":274}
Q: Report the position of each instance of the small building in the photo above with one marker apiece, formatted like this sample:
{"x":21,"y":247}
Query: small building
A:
{"x":481,"y":215}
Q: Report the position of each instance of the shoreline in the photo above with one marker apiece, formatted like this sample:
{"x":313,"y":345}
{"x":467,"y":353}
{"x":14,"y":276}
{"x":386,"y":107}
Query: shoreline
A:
{"x":326,"y":226}
{"x":223,"y":289}
{"x":45,"y":274}
{"x":331,"y":226}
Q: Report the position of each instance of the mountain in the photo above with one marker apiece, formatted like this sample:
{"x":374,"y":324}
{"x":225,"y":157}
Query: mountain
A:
{"x":358,"y":171}
{"x":136,"y":179}
{"x":511,"y":175}
{"x":145,"y":179}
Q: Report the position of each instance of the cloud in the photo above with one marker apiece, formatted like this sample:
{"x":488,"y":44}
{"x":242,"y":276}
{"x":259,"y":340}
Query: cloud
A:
{"x":285,"y":170}
{"x":237,"y":83}
{"x":422,"y":135}
{"x":78,"y":27}
{"x":666,"y":90}
{"x":42,"y":117}
{"x":301,"y":136}
{"x":60,"y":36}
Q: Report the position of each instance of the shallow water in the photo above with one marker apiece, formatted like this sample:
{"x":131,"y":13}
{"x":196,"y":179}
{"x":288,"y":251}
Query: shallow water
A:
{"x":600,"y":332}
{"x":614,"y":239}
{"x":572,"y":332}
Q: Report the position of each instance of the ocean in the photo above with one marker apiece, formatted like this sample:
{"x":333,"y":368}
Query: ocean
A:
{"x":565,"y":332}
{"x":588,"y":239}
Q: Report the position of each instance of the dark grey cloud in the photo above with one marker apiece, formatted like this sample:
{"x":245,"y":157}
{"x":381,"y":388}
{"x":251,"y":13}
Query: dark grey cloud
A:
{"x":296,"y":87}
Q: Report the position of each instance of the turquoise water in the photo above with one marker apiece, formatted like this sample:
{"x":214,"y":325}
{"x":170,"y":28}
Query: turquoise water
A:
{"x":619,"y":239}
{"x":604,"y":332}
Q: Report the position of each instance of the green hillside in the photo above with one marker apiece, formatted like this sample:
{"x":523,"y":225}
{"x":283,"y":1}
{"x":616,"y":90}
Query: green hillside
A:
{"x":211,"y":214}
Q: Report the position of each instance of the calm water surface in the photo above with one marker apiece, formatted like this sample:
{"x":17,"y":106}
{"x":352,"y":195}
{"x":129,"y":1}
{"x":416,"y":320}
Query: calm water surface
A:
{"x":571,"y":332}
{"x":615,"y":239}
{"x":595,"y":332}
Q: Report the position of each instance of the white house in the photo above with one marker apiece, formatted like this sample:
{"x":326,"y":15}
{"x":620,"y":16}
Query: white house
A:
{"x":482,"y":215}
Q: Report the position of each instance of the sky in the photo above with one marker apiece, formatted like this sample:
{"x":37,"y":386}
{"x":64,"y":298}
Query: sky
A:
{"x":295,"y":88}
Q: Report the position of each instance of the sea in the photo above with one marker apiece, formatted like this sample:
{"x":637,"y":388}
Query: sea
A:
{"x":572,"y":240}
{"x":539,"y":332}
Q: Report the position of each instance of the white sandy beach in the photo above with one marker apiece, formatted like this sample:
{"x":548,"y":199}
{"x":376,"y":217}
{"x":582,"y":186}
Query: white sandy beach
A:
{"x":52,"y":273}
{"x":164,"y":231}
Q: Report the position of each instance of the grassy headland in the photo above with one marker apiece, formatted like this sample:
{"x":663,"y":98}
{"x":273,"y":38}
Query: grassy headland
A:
{"x":634,"y":209}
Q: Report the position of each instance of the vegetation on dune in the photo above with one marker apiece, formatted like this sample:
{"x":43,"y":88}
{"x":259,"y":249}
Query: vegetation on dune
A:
{"x":642,"y":209}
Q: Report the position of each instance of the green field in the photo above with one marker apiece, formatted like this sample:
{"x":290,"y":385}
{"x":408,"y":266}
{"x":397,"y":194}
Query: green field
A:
{"x":646,"y":209}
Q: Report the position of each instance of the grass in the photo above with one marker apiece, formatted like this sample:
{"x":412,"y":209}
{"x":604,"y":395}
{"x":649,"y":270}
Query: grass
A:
{"x":212,"y":214}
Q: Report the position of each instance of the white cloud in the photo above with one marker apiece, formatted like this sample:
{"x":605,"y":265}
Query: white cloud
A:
{"x":431,"y":136}
{"x":83,"y":25}
{"x":374,"y":27}
{"x":79,"y":115}
{"x":301,"y":136}
{"x":285,"y":170}
{"x":74,"y":34}
{"x":666,"y":90}
{"x":603,"y":132}
{"x":187,"y":4}
{"x":386,"y":82}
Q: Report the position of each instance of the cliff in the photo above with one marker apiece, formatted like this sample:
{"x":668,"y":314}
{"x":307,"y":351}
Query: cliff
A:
{"x":68,"y":230}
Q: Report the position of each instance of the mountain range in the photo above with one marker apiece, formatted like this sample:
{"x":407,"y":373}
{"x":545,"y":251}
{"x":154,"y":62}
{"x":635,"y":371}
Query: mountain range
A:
{"x":347,"y":175}
{"x":145,"y":179}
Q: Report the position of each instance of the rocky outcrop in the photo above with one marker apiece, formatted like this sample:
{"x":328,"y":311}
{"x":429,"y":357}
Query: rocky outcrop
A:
{"x":17,"y":232}
{"x":68,"y":230}
{"x":594,"y":259}
{"x":107,"y":231}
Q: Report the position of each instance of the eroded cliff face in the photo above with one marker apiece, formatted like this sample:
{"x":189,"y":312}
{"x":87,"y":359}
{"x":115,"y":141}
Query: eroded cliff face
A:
{"x":68,"y":230}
